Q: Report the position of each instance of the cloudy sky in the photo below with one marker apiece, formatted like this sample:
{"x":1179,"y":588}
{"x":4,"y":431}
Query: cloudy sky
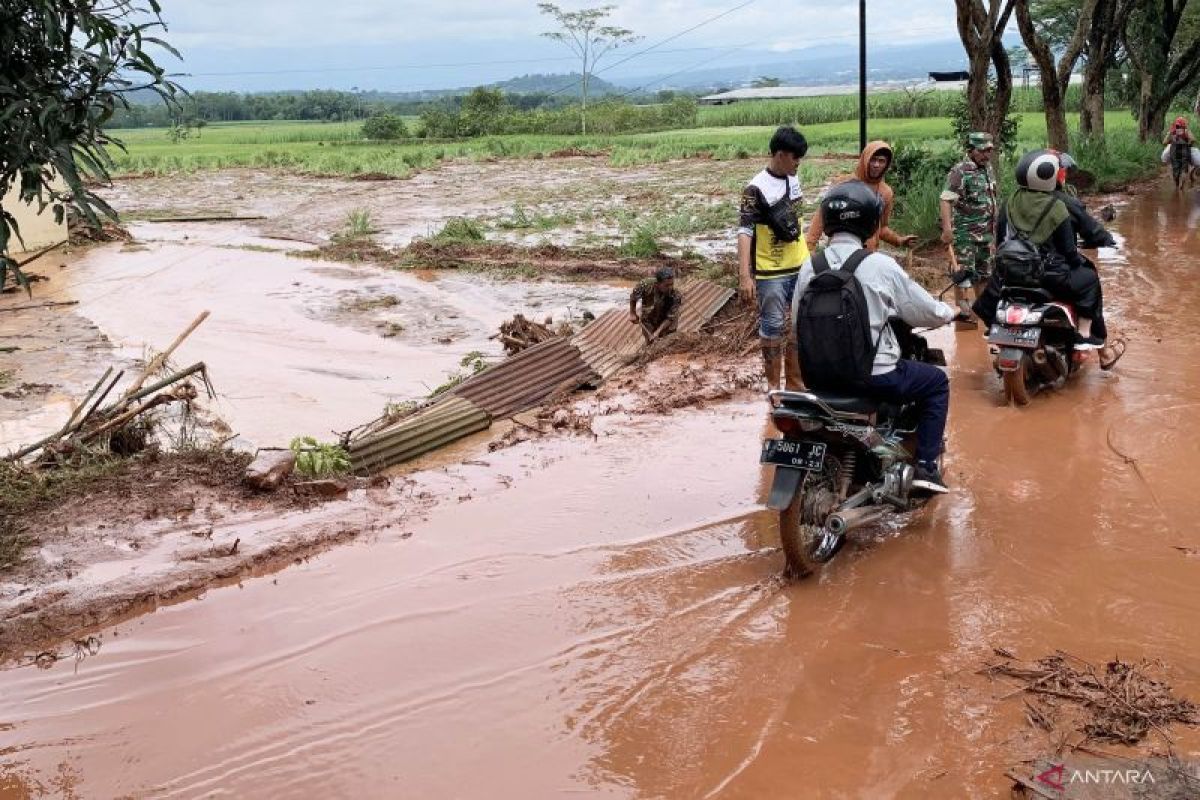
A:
{"x":376,"y":44}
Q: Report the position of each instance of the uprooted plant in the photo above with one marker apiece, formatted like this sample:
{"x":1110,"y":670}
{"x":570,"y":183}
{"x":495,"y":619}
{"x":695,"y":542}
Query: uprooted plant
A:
{"x":316,"y":459}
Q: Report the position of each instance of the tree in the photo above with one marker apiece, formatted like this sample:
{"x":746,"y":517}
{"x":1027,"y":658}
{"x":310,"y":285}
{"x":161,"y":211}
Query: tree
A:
{"x":65,"y":67}
{"x":1054,"y":79}
{"x":765,"y":82}
{"x":584,"y":34}
{"x":481,"y":112}
{"x":981,"y":28}
{"x":1100,"y":52}
{"x":1163,"y":61}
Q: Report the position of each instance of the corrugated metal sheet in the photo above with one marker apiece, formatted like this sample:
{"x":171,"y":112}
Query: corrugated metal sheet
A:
{"x":611,"y":341}
{"x":701,"y":301}
{"x":437,"y":426}
{"x":526,"y":379}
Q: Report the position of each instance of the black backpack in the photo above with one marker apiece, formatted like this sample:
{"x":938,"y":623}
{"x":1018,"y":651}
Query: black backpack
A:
{"x":1019,"y":261}
{"x":833,"y":328}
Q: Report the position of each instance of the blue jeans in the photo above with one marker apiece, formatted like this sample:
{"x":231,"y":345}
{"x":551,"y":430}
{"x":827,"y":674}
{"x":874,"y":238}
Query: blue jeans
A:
{"x":774,"y":305}
{"x":928,"y":386}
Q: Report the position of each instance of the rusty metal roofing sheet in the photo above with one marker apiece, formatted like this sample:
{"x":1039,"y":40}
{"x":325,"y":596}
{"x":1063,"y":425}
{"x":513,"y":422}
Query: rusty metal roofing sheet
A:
{"x":436,"y":426}
{"x":611,"y":341}
{"x":526,"y":379}
{"x":701,"y":301}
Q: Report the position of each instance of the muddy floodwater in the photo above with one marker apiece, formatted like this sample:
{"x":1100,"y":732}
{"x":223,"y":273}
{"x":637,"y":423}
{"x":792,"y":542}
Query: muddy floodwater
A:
{"x":605,"y":617}
{"x":294,"y":346}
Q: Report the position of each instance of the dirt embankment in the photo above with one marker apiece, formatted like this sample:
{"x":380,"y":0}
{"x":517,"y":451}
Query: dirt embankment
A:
{"x":86,"y":545}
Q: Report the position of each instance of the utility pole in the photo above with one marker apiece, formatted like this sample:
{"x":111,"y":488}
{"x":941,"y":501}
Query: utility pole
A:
{"x":862,"y":75}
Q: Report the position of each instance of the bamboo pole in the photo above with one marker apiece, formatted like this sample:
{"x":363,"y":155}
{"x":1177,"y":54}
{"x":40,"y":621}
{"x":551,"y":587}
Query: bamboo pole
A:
{"x":157,"y":362}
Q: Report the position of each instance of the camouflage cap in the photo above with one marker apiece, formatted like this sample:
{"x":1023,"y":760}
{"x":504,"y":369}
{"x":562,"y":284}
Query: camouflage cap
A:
{"x":980,"y":141}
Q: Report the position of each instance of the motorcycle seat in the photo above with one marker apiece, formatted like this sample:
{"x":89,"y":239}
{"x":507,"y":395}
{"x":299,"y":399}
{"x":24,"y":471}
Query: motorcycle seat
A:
{"x":1027,"y":294}
{"x":848,"y":403}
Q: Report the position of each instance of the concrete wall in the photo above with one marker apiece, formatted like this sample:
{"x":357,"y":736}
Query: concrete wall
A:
{"x":37,"y":230}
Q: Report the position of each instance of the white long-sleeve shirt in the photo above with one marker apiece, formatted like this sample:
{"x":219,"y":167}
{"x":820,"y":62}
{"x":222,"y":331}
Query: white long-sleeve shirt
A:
{"x":889,"y":293}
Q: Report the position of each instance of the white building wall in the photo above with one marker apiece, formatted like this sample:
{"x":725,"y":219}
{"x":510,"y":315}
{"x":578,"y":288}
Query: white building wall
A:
{"x":37,"y":230}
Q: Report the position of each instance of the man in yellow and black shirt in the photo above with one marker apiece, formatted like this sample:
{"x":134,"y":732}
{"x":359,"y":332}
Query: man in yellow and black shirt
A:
{"x":771,"y":248}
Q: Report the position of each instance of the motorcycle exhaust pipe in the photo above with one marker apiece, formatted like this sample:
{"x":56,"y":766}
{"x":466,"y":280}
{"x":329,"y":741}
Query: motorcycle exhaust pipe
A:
{"x":842,"y":522}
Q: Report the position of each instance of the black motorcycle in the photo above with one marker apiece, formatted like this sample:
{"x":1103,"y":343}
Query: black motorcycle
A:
{"x":843,"y":462}
{"x":1032,"y":342}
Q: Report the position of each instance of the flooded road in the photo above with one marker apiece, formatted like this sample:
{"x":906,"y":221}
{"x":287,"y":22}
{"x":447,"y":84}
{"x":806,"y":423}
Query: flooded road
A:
{"x":612,"y":623}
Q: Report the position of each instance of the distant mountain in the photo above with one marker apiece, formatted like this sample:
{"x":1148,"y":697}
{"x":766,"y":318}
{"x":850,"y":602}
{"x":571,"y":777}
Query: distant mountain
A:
{"x":556,"y":84}
{"x":818,"y":66}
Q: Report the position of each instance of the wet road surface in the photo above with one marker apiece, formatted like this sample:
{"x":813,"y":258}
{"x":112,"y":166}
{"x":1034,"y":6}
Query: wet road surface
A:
{"x":613,"y":625}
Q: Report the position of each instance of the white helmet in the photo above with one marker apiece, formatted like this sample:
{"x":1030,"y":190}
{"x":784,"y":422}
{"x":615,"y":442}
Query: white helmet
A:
{"x":1038,"y":170}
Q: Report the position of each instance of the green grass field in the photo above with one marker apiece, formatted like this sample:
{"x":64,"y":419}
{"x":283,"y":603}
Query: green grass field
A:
{"x":334,"y":149}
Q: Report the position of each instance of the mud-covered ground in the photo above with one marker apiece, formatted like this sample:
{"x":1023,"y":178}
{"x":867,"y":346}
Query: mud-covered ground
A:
{"x":295,"y":345}
{"x":587,"y":599}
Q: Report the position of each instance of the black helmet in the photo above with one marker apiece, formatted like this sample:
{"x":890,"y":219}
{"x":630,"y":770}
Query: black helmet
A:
{"x":1038,"y":170}
{"x":851,"y":207}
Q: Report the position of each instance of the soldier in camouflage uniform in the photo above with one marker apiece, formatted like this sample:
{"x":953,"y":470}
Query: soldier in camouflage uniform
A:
{"x":968,"y":210}
{"x":661,"y":304}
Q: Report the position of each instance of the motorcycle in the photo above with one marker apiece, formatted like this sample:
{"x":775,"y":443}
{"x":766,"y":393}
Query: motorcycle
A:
{"x":843,"y":462}
{"x":1032,"y":342}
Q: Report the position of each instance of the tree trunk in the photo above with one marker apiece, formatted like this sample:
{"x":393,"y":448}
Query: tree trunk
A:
{"x":977,"y":90}
{"x":980,"y":28}
{"x":1052,"y":94}
{"x":583,"y":108}
{"x":1004,"y":86}
{"x":1102,"y":40}
{"x":1091,"y":113}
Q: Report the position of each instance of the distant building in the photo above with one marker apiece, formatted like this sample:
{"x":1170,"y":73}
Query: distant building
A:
{"x":37,"y":230}
{"x":795,"y":92}
{"x":938,"y":81}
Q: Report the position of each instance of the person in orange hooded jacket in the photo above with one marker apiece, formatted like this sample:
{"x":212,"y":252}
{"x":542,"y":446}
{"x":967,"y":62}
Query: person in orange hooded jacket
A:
{"x":873,"y":164}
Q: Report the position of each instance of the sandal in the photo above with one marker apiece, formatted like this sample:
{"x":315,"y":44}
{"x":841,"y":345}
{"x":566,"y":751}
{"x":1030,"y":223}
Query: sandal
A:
{"x":1110,"y":354}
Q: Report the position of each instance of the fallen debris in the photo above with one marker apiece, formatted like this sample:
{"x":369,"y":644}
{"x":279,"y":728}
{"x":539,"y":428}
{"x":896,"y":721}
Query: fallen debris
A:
{"x":519,"y":333}
{"x":90,"y":427}
{"x":269,"y":469}
{"x":1119,"y":703}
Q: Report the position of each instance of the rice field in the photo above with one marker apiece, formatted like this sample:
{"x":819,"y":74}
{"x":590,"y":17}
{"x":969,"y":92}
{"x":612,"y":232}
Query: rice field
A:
{"x":334,"y":148}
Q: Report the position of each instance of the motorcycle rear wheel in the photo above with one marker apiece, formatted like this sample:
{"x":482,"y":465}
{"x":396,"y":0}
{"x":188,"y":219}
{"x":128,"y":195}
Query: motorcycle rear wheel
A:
{"x":1016,"y":383}
{"x":802,"y":523}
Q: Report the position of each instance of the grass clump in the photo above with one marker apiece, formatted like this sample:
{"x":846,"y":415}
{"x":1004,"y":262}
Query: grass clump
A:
{"x":640,"y":242}
{"x":460,"y":230}
{"x":358,"y":225}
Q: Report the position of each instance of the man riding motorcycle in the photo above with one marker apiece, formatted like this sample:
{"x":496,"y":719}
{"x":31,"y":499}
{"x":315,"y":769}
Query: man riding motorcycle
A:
{"x":851,"y":213}
{"x":1036,"y":213}
{"x":1091,"y":235}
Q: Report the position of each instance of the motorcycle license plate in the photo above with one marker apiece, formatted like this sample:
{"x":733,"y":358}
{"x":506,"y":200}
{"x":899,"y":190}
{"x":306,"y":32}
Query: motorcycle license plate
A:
{"x":797,"y":455}
{"x":1012,"y":336}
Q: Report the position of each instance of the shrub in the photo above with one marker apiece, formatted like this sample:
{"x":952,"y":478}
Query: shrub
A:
{"x":384,"y":127}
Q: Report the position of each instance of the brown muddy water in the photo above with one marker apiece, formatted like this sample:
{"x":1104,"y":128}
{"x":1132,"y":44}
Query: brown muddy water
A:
{"x":294,"y":346}
{"x":613,"y":624}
